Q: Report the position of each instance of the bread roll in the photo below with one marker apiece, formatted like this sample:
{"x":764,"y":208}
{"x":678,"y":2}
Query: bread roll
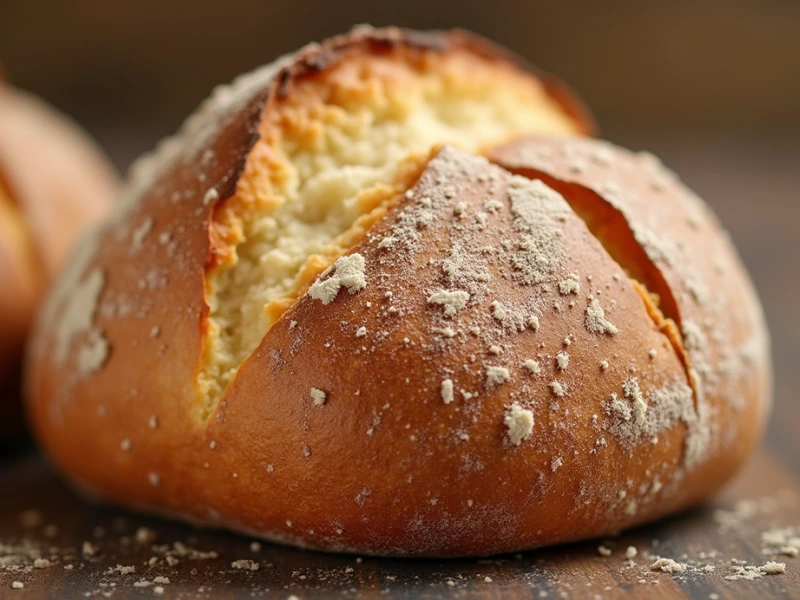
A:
{"x":325,"y":318}
{"x":53,"y":183}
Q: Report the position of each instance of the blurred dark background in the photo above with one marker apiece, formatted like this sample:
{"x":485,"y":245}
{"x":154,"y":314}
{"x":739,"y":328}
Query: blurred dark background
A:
{"x":713,"y":86}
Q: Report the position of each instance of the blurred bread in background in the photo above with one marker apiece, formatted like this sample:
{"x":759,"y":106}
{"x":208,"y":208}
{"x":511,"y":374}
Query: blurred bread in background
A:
{"x":54,"y":182}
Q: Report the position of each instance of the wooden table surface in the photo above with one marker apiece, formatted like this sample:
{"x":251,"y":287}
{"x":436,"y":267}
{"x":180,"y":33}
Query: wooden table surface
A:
{"x":753,"y":182}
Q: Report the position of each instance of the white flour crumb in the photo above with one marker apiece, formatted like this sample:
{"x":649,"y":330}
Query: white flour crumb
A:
{"x":631,"y":552}
{"x":604,"y":365}
{"x":559,"y":389}
{"x":532,"y":366}
{"x":533,"y":323}
{"x":495,"y":376}
{"x":140,"y":234}
{"x":603,"y":551}
{"x":556,"y":464}
{"x":245,"y":565}
{"x":519,"y":422}
{"x":210,"y":196}
{"x":452,"y":302}
{"x":361,"y":331}
{"x":496,"y":350}
{"x":347,"y":272}
{"x":596,"y":321}
{"x":562,"y":361}
{"x":447,"y":391}
{"x":318,"y":396}
{"x":667,"y":565}
{"x":570,"y":285}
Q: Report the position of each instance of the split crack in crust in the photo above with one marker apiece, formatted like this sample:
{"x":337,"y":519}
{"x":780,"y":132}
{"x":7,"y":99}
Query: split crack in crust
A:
{"x":610,"y":226}
{"x":334,"y":155}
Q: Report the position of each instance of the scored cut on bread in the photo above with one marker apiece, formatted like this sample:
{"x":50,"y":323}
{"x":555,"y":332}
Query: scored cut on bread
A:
{"x":323,"y":317}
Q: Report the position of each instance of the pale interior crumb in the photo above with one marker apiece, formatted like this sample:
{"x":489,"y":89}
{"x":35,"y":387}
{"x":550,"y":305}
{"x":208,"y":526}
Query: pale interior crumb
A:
{"x":327,"y":164}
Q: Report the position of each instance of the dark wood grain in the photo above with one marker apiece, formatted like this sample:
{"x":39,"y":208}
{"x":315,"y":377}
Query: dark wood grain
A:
{"x":753,"y":183}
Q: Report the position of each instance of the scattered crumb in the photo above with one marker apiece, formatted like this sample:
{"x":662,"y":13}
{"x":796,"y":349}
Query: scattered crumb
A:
{"x":559,"y":389}
{"x":519,"y":422}
{"x":571,"y":285}
{"x":667,"y":565}
{"x":603,"y":551}
{"x":532,"y":366}
{"x":562,"y":361}
{"x":631,"y":552}
{"x":451,"y":302}
{"x":596,"y":321}
{"x":347,"y":271}
{"x":245,"y":565}
{"x":318,"y":396}
{"x":447,"y":391}
{"x":495,"y":376}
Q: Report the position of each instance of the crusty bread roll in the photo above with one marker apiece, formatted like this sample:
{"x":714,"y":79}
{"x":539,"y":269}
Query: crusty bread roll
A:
{"x":53,"y":183}
{"x":324,"y":317}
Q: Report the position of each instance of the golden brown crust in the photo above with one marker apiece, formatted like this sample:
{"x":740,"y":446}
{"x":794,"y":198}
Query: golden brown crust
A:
{"x":480,"y":377}
{"x":53,"y":183}
{"x":673,"y":243}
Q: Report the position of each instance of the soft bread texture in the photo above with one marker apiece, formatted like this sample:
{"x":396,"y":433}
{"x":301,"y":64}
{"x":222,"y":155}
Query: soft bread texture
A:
{"x":460,"y":361}
{"x":53,"y":184}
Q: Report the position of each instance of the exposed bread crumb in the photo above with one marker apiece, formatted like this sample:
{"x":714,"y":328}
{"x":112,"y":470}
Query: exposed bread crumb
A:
{"x":519,"y":422}
{"x":347,"y":272}
{"x":318,"y":396}
{"x":533,"y":323}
